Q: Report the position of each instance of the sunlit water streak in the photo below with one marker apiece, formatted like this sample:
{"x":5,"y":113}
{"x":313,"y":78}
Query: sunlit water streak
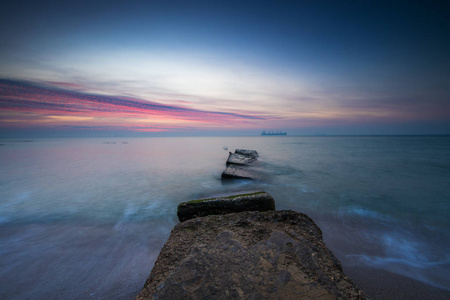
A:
{"x":86,"y":218}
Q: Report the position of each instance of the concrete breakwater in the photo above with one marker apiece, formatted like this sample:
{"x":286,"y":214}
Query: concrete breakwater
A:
{"x":239,"y":247}
{"x":259,"y":201}
{"x":241,"y":165}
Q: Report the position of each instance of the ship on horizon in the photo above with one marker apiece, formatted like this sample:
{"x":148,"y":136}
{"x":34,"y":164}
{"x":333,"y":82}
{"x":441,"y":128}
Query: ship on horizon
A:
{"x":273,"y":133}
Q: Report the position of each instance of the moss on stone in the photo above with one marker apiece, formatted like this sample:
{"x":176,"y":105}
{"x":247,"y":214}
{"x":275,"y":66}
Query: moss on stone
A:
{"x":228,"y":197}
{"x":257,"y":201}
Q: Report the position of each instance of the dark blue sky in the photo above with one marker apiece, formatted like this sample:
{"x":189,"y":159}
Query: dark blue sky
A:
{"x":344,"y":67}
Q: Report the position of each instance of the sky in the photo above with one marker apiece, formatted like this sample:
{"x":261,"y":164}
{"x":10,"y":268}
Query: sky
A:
{"x":224,"y":67}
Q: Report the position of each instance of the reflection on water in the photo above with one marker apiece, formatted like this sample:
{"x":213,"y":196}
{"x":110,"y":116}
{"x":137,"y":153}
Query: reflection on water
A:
{"x":86,"y":218}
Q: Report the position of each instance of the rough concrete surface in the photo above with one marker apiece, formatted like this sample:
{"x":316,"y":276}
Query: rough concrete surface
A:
{"x":240,"y":159}
{"x":239,"y":165}
{"x":248,"y":255}
{"x":253,"y":153}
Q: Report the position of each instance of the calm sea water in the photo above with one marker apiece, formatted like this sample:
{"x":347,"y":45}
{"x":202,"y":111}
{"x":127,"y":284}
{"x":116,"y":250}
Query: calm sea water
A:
{"x":86,"y":218}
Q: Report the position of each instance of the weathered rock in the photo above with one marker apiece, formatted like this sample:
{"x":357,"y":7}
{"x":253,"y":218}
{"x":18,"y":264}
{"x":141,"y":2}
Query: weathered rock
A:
{"x":248,"y":255}
{"x":240,"y":165}
{"x":237,"y":172}
{"x":259,"y":201}
{"x":252,"y":153}
{"x":256,"y":171}
{"x":240,"y":159}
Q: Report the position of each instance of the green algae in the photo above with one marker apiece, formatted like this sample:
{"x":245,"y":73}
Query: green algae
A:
{"x":218,"y":198}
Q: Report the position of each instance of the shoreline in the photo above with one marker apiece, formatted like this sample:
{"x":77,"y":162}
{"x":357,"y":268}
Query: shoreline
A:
{"x":381,"y":284}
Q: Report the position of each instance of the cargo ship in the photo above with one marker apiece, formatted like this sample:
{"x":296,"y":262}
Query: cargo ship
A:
{"x":273,"y":133}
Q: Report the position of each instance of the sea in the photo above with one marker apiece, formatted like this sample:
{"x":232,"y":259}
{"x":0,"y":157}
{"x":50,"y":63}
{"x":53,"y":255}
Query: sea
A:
{"x":85,"y":218}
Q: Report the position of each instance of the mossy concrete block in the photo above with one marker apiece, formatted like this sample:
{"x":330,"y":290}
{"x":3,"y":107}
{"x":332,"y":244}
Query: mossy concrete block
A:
{"x":259,"y":201}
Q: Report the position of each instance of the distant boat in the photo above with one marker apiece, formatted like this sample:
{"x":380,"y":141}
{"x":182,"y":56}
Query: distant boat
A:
{"x":273,"y":133}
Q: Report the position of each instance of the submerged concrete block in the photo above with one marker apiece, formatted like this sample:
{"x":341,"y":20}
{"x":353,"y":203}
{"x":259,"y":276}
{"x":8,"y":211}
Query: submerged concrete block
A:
{"x":240,"y":159}
{"x":252,"y":153}
{"x":240,"y":165}
{"x":237,"y":172}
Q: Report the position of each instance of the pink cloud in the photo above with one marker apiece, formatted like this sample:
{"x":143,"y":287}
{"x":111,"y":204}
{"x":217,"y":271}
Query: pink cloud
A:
{"x":19,"y":98}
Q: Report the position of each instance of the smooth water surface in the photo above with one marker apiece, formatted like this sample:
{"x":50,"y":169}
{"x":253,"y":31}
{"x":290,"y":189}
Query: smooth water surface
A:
{"x":86,"y":218}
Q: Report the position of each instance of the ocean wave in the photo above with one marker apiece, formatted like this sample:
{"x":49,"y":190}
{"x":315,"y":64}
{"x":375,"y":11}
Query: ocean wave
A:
{"x":19,"y":198}
{"x":4,"y":219}
{"x":434,"y":273}
{"x":127,"y":214}
{"x":388,"y":261}
{"x":409,"y":257}
{"x":364,"y":213}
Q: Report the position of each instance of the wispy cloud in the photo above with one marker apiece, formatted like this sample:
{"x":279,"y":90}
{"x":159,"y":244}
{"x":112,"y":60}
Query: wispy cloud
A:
{"x":59,"y":106}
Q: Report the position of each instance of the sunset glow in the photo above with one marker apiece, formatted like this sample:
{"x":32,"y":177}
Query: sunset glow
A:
{"x":175,"y":68}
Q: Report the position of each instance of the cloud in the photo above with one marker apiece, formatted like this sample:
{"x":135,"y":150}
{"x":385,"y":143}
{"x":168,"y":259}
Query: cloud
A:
{"x":56,"y":104}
